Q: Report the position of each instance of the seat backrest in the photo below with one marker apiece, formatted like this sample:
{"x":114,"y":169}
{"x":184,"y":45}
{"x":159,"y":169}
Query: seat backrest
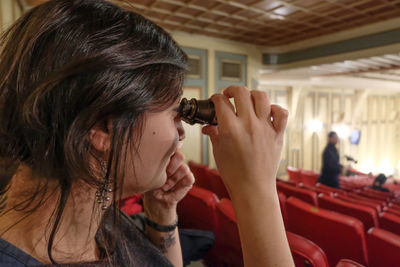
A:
{"x":368,"y":216}
{"x":377,"y":192}
{"x":290,"y":182}
{"x":392,"y":210}
{"x":227,"y":238}
{"x":217,"y":185}
{"x":383,"y":248}
{"x":375,"y":206}
{"x":200,"y":174}
{"x":389,"y":222}
{"x":374,"y":196}
{"x":294,"y":174}
{"x":367,"y":199}
{"x":305,"y":252}
{"x":282,"y":204}
{"x":394,"y":205}
{"x":301,"y":193}
{"x":309,"y":177}
{"x":348,"y":263}
{"x":338,"y":235}
{"x":317,"y":190}
{"x":332,"y":189}
{"x":197,"y":210}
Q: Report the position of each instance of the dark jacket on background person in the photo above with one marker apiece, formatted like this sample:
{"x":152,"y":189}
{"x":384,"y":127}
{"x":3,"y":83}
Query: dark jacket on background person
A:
{"x":331,"y":167}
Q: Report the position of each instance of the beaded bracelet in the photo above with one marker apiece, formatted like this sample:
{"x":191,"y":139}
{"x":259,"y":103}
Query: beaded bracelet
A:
{"x":161,"y":228}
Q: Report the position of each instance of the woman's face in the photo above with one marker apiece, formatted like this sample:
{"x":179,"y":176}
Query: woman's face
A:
{"x":146,"y":168}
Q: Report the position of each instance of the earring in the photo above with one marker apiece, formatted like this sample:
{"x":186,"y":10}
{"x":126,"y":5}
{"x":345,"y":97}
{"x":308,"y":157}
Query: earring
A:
{"x":103,"y":190}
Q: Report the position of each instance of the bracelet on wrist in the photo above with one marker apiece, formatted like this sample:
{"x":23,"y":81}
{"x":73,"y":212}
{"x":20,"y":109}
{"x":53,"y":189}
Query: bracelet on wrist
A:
{"x":161,"y":228}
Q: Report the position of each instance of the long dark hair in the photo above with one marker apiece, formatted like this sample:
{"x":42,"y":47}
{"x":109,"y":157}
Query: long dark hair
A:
{"x":68,"y":65}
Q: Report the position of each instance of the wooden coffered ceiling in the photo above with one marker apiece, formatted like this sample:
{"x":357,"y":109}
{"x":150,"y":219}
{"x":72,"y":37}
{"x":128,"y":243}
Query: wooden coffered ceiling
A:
{"x":263,"y":22}
{"x":266,"y":22}
{"x":284,"y":23}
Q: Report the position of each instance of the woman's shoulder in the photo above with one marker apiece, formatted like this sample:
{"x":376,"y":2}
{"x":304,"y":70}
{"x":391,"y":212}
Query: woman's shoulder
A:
{"x":11,"y":256}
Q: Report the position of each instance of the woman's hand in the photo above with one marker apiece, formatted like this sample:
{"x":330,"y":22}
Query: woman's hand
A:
{"x":247,"y":146}
{"x":247,"y":143}
{"x":160,"y":204}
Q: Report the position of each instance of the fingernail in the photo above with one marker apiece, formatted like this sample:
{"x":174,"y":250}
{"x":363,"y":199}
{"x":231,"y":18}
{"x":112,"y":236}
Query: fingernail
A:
{"x":165,"y":187}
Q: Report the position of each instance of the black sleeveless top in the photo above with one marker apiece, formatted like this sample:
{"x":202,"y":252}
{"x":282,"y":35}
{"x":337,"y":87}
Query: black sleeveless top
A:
{"x":131,"y":248}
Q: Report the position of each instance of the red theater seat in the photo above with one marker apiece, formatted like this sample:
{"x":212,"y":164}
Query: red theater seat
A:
{"x":331,"y":189}
{"x":294,"y":174}
{"x":290,"y":182}
{"x":366,"y":215}
{"x":394,"y":206}
{"x":317,"y":190}
{"x":380,"y":202}
{"x":282,"y":204}
{"x":390,"y":222}
{"x":373,"y":195}
{"x":303,"y":194}
{"x":197,"y":210}
{"x":339,"y":236}
{"x":217,"y":185}
{"x":309,"y":177}
{"x":377,"y":192}
{"x":305,"y":252}
{"x":200,"y":174}
{"x":348,"y":263}
{"x":228,"y":247}
{"x":375,"y":206}
{"x":131,"y":205}
{"x":383,"y":248}
{"x":392,"y":211}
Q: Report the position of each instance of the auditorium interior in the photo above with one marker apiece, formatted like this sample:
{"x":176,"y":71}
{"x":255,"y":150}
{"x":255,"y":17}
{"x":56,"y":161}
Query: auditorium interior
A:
{"x":335,"y":66}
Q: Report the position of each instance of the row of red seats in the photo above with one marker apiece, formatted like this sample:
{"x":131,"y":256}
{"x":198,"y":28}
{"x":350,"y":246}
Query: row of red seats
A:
{"x":348,"y":183}
{"x":378,"y":199}
{"x":201,"y":209}
{"x":341,"y":236}
{"x":370,"y":212}
{"x":367,"y":214}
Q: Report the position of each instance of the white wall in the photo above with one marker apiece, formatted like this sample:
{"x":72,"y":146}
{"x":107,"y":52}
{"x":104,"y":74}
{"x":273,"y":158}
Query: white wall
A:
{"x":213,"y":45}
{"x":375,"y":113}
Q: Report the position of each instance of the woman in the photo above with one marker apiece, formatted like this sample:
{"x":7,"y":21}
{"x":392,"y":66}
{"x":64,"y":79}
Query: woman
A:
{"x":89,"y":95}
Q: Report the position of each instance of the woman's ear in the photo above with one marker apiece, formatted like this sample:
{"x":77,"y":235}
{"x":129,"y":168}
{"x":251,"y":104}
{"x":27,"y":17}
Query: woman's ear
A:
{"x":100,"y":137}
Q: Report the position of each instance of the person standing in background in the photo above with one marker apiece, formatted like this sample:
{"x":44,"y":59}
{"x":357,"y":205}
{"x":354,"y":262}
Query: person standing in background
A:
{"x":331,"y":167}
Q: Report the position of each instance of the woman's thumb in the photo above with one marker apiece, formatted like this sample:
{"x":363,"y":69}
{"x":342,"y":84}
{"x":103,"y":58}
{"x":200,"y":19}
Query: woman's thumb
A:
{"x":211,"y":131}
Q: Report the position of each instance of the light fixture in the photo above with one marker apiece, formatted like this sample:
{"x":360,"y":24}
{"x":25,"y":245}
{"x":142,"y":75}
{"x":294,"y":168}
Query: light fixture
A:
{"x":315,"y":126}
{"x":342,"y":130}
{"x":367,"y":166}
{"x":385,"y":167}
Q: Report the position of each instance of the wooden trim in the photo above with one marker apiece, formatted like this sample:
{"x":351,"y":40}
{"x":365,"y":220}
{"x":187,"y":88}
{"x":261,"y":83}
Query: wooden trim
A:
{"x":20,"y":6}
{"x":201,"y":134}
{"x":1,"y":16}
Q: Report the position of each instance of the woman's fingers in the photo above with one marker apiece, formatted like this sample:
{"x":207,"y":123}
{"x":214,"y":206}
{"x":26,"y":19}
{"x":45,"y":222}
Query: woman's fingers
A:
{"x":280,"y":118}
{"x":180,"y":189}
{"x":241,"y":96}
{"x":175,"y":162}
{"x":174,"y":178}
{"x":211,"y":131}
{"x":261,"y":104}
{"x":223,"y":108}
